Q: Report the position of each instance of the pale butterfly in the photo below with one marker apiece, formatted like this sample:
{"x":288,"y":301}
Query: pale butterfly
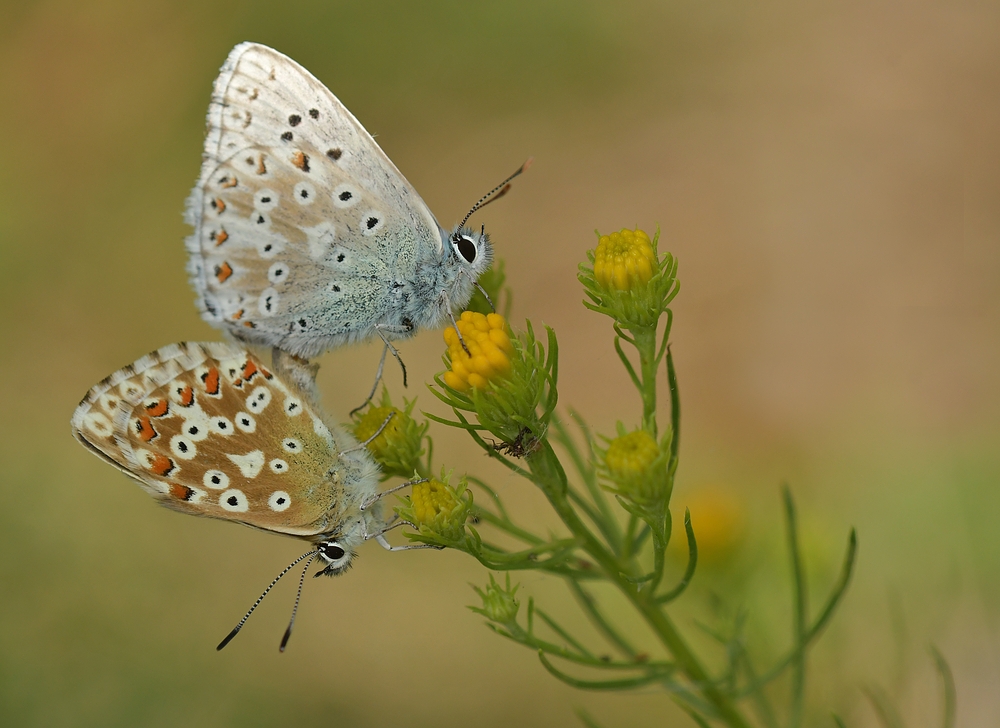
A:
{"x":208,"y":429}
{"x":306,"y":236}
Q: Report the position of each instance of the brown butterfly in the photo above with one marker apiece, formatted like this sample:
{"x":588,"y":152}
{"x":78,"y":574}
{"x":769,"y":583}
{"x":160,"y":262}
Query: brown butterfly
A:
{"x":207,"y":429}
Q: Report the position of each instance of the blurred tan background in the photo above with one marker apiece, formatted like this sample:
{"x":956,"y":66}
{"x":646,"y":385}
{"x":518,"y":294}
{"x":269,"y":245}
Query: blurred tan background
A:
{"x":828,"y":175}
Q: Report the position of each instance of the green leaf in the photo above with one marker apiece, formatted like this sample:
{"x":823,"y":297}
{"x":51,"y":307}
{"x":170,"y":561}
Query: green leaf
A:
{"x":691,"y":565}
{"x":948,"y":680}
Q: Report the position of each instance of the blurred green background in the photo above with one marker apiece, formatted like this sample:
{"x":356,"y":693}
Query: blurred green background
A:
{"x":828,"y":175}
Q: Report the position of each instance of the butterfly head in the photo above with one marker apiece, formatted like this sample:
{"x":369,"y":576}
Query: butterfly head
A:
{"x":337,"y":556}
{"x":472,"y":250}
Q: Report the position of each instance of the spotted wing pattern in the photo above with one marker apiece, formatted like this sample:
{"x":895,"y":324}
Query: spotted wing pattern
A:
{"x":301,"y":223}
{"x":207,"y":429}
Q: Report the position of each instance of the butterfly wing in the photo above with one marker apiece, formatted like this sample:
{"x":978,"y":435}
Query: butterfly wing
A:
{"x":206,"y":429}
{"x":302,"y":225}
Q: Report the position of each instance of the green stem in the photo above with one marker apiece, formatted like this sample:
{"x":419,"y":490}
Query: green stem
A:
{"x":645,"y":343}
{"x":801,"y":609}
{"x":549,"y":475}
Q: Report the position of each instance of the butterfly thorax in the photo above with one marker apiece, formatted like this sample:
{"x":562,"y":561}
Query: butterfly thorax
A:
{"x":443,"y":282}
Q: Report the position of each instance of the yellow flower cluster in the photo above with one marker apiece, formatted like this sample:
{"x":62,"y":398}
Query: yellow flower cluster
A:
{"x":489,"y":351}
{"x":624,"y":260}
{"x":437,"y":508}
{"x":431,"y":500}
{"x":372,"y":420}
{"x":630,"y":456}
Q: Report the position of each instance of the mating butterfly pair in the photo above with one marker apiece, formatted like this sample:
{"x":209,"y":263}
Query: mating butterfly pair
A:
{"x":306,"y":237}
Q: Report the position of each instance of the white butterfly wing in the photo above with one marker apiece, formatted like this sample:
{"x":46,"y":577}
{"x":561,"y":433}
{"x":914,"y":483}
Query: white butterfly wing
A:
{"x":304,"y":230}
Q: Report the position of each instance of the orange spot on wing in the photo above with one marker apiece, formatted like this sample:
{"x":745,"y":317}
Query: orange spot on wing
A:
{"x":219,"y":205}
{"x":222,"y":272}
{"x":230,"y":182}
{"x":249,"y":370}
{"x":161,"y":465}
{"x":211,"y":380}
{"x":180,"y":492}
{"x":222,"y":237}
{"x":238,"y":315}
{"x":261,"y":169}
{"x":144,"y":429}
{"x":250,"y":324}
{"x":301,"y":160}
{"x":186,"y":396}
{"x":267,"y":374}
{"x":157,"y":408}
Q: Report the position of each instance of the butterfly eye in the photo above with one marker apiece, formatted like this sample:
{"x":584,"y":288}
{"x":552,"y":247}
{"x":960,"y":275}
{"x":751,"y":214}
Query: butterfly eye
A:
{"x":466,"y":248}
{"x":334,"y":554}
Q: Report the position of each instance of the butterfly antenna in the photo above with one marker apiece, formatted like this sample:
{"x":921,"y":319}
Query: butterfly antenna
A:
{"x":298,"y":597}
{"x":238,"y":627}
{"x":496,"y":193}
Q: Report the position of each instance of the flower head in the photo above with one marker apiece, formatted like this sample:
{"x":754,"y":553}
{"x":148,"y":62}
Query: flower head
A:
{"x":631,"y":455}
{"x":488,"y":358}
{"x":399,"y":446}
{"x":624,"y":260}
{"x":438,"y":511}
{"x":627,"y":280}
{"x":638,"y":466}
{"x":509,"y":383}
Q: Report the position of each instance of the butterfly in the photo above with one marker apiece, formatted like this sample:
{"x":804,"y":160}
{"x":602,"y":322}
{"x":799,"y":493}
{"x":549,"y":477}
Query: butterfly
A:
{"x":208,"y":429}
{"x":306,"y":236}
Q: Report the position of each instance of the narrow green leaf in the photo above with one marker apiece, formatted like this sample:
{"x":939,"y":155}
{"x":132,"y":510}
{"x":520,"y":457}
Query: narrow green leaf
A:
{"x":559,"y":630}
{"x":887,"y":715}
{"x":675,"y":406}
{"x":585,"y":718}
{"x":624,"y":684}
{"x":628,"y":365}
{"x":800,"y":611}
{"x":837,"y":594}
{"x":948,"y":681}
{"x":691,"y":565}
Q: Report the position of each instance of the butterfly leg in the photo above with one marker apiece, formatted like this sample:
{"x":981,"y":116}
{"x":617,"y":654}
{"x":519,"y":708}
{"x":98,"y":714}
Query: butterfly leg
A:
{"x":379,"y":329}
{"x":367,"y":503}
{"x":481,"y":290}
{"x":409,"y":547}
{"x":378,"y":378}
{"x":366,"y":443}
{"x":446,"y":305}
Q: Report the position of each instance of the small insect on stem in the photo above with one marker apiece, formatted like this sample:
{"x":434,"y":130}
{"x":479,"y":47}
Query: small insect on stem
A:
{"x":524,"y":444}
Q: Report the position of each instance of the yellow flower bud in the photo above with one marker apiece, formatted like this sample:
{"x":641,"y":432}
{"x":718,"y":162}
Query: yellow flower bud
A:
{"x":399,"y":446}
{"x":372,"y":420}
{"x":489,"y":351}
{"x":624,"y":260}
{"x":637,"y":465}
{"x":437,"y":508}
{"x":630,"y":456}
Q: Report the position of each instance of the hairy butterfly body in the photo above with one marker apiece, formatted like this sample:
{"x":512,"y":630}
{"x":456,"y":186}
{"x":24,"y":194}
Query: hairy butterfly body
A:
{"x":207,"y":429}
{"x":306,"y":236}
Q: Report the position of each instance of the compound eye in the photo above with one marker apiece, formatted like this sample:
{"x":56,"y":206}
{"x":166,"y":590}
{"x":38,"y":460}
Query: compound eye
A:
{"x":466,"y":248}
{"x":332,"y":551}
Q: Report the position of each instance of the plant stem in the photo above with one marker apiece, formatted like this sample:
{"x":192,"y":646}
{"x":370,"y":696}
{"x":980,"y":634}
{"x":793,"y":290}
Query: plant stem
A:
{"x":549,"y":475}
{"x":645,"y":343}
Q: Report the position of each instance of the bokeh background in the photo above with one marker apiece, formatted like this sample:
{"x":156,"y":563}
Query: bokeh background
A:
{"x":828,"y":175}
